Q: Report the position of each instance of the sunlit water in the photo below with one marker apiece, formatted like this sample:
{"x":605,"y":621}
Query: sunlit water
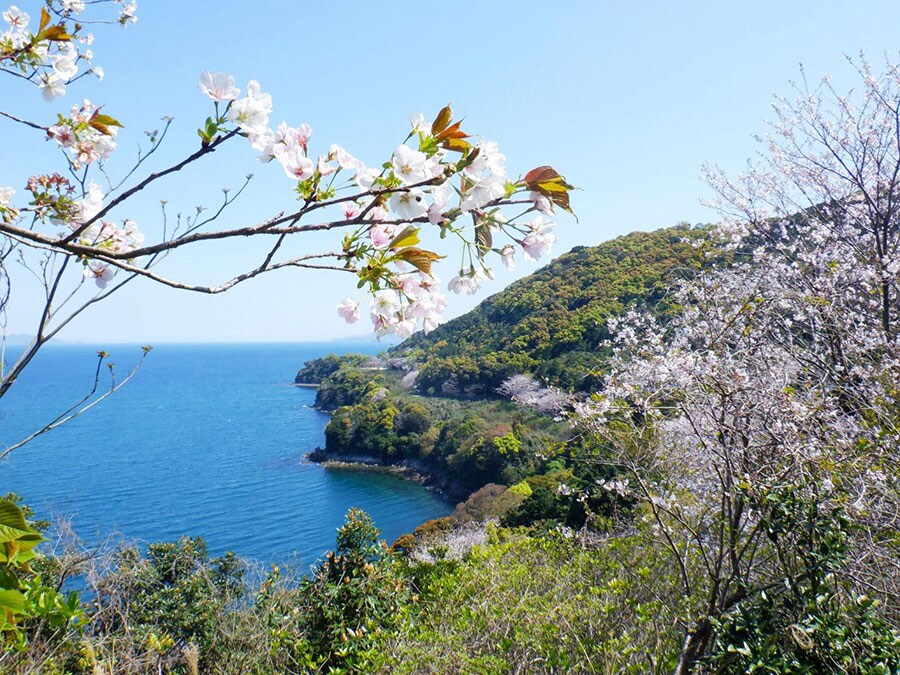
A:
{"x":207,"y":440}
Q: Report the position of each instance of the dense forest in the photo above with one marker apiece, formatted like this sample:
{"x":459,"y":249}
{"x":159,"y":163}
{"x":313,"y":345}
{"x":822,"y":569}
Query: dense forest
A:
{"x":553,"y":323}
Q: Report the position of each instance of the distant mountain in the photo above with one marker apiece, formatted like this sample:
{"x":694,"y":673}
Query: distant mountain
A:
{"x":18,"y":339}
{"x":551,"y":324}
{"x":23,"y":339}
{"x":365,"y":338}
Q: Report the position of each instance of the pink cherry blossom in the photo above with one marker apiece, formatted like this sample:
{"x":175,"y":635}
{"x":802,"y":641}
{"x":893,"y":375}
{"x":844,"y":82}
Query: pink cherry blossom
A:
{"x":382,"y":234}
{"x":348,"y":310}
{"x":100,"y":272}
{"x":295,"y":164}
{"x":351,"y":210}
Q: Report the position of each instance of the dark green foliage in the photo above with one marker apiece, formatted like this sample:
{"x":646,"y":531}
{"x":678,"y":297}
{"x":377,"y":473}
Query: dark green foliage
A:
{"x":172,"y":598}
{"x":809,"y":622}
{"x":30,"y":610}
{"x":316,"y":370}
{"x":541,"y":505}
{"x":358,"y":592}
{"x":346,"y":386}
{"x":551,"y":323}
{"x":462,"y":444}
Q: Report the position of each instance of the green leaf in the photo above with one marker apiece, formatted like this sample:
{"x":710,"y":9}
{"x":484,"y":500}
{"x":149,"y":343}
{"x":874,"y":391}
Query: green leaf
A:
{"x":12,"y":601}
{"x":456,"y":145}
{"x":106,"y":120}
{"x":13,"y":526}
{"x":408,"y":237}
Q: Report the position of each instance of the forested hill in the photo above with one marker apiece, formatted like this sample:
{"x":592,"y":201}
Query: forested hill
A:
{"x":551,"y":323}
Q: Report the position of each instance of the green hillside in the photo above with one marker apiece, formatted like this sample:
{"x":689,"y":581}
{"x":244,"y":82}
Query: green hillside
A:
{"x":552,"y":322}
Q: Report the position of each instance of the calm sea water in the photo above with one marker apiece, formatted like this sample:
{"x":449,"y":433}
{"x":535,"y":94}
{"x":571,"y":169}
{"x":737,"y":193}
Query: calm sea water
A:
{"x":207,"y":440}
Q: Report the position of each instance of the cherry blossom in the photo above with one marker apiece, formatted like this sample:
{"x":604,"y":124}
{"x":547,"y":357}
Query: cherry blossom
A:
{"x":541,"y":202}
{"x":218,"y":86}
{"x":463,"y":283}
{"x":351,"y":210}
{"x":382,"y":234}
{"x":483,"y":192}
{"x":409,"y":204}
{"x":295,"y":164}
{"x":100,"y":272}
{"x":409,"y":165}
{"x":128,"y":13}
{"x":251,"y":113}
{"x":73,"y":6}
{"x":344,"y":159}
{"x":440,"y":195}
{"x":385,"y":304}
{"x":508,"y":256}
{"x":419,"y":124}
{"x":89,"y":206}
{"x":16,"y":18}
{"x":348,"y":310}
{"x":539,"y":241}
{"x":489,"y":158}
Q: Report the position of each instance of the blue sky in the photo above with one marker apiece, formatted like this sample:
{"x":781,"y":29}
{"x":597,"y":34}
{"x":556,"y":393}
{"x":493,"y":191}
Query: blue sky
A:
{"x":627,"y":99}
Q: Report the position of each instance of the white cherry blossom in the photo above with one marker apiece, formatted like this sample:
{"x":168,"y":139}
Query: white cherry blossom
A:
{"x":409,"y":165}
{"x":409,"y":204}
{"x":251,"y":113}
{"x":218,"y":86}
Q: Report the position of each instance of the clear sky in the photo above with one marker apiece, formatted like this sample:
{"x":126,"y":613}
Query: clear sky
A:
{"x":627,"y":99}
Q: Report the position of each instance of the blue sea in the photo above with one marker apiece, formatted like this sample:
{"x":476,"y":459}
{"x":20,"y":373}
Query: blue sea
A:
{"x":206,"y":440}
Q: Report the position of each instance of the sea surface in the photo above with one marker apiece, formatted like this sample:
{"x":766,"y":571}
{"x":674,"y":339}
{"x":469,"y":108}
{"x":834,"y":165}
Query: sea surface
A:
{"x":206,"y":440}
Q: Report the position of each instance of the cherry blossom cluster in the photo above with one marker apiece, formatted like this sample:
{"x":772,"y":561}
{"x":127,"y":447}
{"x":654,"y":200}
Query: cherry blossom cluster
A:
{"x":51,"y":54}
{"x":87,"y":135}
{"x":528,"y":392}
{"x":52,"y":200}
{"x":434,"y":177}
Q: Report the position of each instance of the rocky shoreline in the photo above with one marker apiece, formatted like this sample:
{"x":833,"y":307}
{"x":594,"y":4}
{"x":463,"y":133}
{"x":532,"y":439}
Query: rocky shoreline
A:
{"x":408,"y":469}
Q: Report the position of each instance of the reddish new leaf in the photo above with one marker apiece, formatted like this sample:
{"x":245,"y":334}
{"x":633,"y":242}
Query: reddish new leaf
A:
{"x":442,"y":120}
{"x":418,"y":258}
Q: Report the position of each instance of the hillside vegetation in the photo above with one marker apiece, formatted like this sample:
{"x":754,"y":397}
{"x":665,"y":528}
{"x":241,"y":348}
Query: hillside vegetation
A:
{"x":552,"y":323}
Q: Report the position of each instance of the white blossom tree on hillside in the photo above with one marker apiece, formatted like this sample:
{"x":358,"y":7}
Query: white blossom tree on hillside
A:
{"x":759,"y":427}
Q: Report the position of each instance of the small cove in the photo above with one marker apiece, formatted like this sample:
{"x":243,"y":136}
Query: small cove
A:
{"x":207,"y":440}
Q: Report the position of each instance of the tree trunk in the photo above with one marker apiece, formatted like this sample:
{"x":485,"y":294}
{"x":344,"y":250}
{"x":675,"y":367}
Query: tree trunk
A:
{"x":693,"y":647}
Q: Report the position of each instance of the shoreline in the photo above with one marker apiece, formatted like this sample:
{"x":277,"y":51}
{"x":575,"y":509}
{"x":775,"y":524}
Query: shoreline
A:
{"x":366,"y":463}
